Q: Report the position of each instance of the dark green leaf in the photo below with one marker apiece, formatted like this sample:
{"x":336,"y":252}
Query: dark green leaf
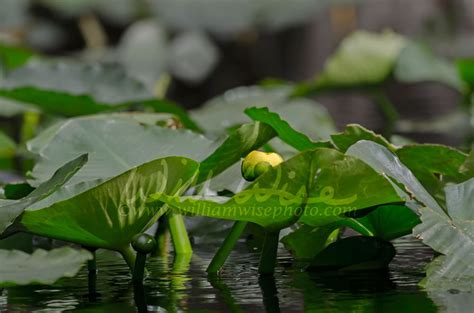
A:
{"x":108,"y":214}
{"x":238,"y":144}
{"x":285,"y":132}
{"x":354,"y":253}
{"x":17,"y":191}
{"x":466,"y":71}
{"x":353,"y":133}
{"x":10,"y":210}
{"x":306,"y":242}
{"x":389,"y":222}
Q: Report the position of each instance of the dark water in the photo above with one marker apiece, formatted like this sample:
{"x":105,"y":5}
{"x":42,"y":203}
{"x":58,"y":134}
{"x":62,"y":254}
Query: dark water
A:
{"x":182,"y":285}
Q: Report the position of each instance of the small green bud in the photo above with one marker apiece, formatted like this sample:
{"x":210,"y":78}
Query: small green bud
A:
{"x":143,"y":243}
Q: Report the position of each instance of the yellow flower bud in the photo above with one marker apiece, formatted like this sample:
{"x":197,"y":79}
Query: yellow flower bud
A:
{"x":257,"y":162}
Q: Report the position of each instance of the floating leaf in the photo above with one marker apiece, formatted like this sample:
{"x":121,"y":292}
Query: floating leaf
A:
{"x":41,"y":267}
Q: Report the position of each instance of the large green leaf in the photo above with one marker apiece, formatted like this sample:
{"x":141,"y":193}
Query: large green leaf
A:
{"x":10,"y":210}
{"x":343,"y":184}
{"x":388,"y":222}
{"x":434,"y":166}
{"x":116,"y":143}
{"x":41,"y":267}
{"x":306,"y":242}
{"x":108,"y":214}
{"x":285,"y":132}
{"x":353,"y":133}
{"x":385,"y":162}
{"x":354,"y":253}
{"x":452,"y":234}
{"x":238,"y":144}
{"x":363,"y":58}
{"x":273,"y":201}
{"x":417,"y":63}
{"x":72,"y":89}
{"x":226,"y":111}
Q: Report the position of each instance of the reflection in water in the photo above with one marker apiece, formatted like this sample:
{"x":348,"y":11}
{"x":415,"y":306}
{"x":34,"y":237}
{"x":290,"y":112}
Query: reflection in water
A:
{"x":181,"y":284}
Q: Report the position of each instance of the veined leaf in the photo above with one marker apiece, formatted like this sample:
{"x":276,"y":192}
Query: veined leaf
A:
{"x":41,"y":267}
{"x":434,"y":166}
{"x":285,"y":132}
{"x":452,"y":234}
{"x":116,"y":143}
{"x":343,"y":184}
{"x":107,"y":214}
{"x":272,"y":201}
{"x":388,"y":164}
{"x":10,"y":210}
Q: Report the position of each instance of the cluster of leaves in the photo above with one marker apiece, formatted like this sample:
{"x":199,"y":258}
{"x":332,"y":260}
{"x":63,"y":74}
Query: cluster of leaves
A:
{"x":126,"y":170}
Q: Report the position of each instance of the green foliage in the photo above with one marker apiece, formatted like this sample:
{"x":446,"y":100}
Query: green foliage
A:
{"x":388,"y":222}
{"x":12,"y":57}
{"x":451,"y":233}
{"x":41,"y":267}
{"x":354,"y":253}
{"x":118,"y":205}
{"x":11,"y":209}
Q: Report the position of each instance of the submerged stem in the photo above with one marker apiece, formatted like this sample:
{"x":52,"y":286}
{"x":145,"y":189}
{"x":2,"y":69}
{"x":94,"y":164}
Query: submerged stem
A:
{"x":269,"y":253}
{"x":226,"y":248}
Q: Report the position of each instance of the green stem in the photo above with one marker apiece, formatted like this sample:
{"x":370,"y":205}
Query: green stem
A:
{"x":179,"y":235}
{"x":139,"y":271}
{"x":129,"y":257}
{"x":388,"y":110}
{"x":269,"y":253}
{"x":225,"y":249}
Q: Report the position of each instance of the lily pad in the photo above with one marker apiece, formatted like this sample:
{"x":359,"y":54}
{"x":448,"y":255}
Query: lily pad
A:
{"x":41,"y":267}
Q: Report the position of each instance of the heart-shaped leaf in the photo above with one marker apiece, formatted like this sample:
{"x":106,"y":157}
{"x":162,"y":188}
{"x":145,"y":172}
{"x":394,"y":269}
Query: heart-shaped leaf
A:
{"x":107,"y":214}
